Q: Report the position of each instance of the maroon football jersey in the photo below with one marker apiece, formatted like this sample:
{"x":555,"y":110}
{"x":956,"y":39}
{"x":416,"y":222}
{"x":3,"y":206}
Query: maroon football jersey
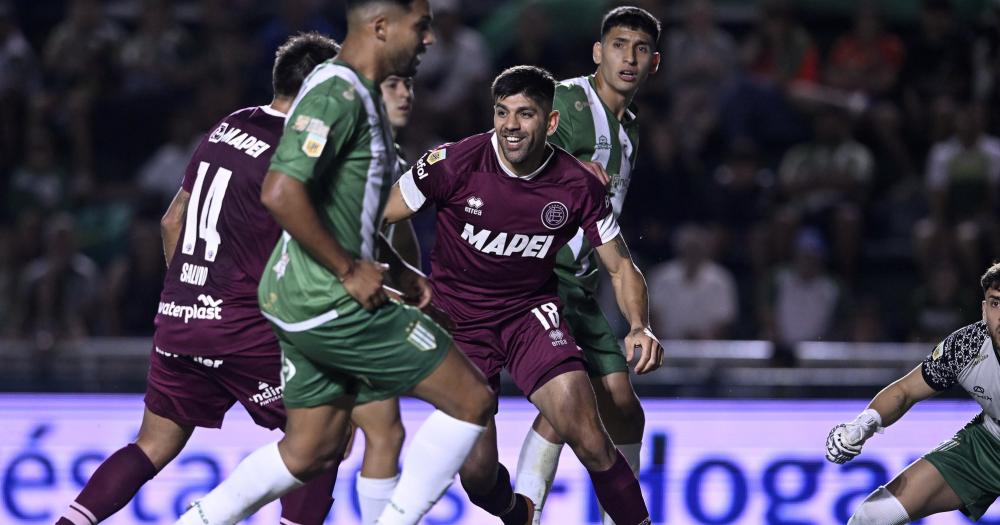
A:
{"x":209,"y":301}
{"x":497,"y":233}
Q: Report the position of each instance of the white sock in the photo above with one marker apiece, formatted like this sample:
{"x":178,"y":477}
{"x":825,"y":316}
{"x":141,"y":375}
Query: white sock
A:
{"x":436,"y":453}
{"x":631,"y":453}
{"x":260,"y":478}
{"x":880,"y":508}
{"x":536,"y":468}
{"x":373,"y":494}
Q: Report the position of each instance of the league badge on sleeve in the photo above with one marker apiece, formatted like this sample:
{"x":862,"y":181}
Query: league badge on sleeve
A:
{"x":313,"y":145}
{"x":436,"y":155}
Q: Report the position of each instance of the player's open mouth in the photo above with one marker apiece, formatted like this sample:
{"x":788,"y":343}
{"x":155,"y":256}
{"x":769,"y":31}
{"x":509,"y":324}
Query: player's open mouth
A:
{"x":512,"y":140}
{"x":628,"y":75}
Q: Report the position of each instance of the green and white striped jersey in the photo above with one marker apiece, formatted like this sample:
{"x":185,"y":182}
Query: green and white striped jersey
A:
{"x":337,"y":140}
{"x":592,"y":132}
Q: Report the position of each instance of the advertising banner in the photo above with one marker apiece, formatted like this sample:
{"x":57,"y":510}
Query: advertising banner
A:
{"x":704,"y":462}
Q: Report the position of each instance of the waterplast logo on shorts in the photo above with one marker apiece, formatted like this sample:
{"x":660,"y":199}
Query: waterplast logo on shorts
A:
{"x":266,"y":394}
{"x":421,"y":337}
{"x":209,"y":309}
{"x":554,"y":215}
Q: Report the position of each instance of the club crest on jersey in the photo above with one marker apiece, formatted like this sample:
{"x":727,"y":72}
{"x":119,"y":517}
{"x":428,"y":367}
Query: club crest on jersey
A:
{"x":313,"y":145}
{"x":602,"y":143}
{"x":436,"y":155}
{"x":554,"y":215}
{"x":474,"y":205}
{"x":216,"y":135}
{"x":579,"y":105}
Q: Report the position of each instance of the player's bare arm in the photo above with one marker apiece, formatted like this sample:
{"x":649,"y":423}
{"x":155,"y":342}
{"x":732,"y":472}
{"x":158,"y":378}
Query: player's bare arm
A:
{"x":410,"y":280}
{"x":396,"y":208}
{"x":287,"y":200}
{"x":633,"y":300}
{"x":173,"y":219}
{"x":845,"y":440}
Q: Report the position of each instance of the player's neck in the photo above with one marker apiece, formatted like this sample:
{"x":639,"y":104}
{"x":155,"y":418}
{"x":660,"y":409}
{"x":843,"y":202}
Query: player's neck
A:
{"x":362,"y":59}
{"x":281,"y":104}
{"x":614,"y":100}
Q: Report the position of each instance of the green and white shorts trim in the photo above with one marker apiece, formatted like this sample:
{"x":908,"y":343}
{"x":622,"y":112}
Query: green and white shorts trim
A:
{"x":970,"y":464}
{"x":591,"y":330}
{"x":369,"y":355}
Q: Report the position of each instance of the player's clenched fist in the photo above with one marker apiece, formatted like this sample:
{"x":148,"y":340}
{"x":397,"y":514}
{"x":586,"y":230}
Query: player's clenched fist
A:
{"x":364,"y":282}
{"x":846,"y":439}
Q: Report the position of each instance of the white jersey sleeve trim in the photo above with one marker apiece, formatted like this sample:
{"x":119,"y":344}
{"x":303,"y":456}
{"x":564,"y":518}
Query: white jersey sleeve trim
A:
{"x":608,"y":228}
{"x":412,"y":196}
{"x":303,"y":326}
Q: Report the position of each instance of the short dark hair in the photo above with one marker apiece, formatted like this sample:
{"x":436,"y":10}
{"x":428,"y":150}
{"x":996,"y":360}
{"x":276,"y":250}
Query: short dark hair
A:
{"x":631,"y":17}
{"x":531,"y":81}
{"x":991,"y":279}
{"x":296,"y":58}
{"x":354,"y":4}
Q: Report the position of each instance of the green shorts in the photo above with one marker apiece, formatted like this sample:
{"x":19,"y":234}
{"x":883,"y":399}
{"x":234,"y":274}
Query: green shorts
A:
{"x":369,"y":355}
{"x":591,"y":331}
{"x":970,"y":464}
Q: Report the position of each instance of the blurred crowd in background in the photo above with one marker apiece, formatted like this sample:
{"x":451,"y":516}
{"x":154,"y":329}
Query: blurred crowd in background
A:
{"x":811,"y":170}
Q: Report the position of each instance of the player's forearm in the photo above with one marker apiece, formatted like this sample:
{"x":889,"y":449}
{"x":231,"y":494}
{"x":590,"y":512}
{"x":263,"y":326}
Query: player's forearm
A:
{"x":891,"y":404}
{"x":171,"y":222}
{"x":287,"y":201}
{"x":404,"y":240}
{"x":632,"y":295}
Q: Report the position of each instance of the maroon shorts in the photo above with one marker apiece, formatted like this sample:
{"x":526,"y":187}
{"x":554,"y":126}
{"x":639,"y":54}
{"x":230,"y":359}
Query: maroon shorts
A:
{"x":534,"y":347}
{"x":199,"y":391}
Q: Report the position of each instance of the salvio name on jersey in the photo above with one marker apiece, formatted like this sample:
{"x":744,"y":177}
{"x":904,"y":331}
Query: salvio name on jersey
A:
{"x":506,"y":244}
{"x":244,"y":142}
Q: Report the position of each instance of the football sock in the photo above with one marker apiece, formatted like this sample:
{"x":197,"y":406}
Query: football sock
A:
{"x":618,"y":492}
{"x":536,"y":468}
{"x":310,"y":503}
{"x":631,"y":453}
{"x":260,"y":478}
{"x":373,"y":495}
{"x":437,"y":451}
{"x":112,"y":486}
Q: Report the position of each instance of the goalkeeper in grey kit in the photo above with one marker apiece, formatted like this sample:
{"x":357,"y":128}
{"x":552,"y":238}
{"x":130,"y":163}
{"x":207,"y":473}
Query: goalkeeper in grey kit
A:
{"x":963,"y":473}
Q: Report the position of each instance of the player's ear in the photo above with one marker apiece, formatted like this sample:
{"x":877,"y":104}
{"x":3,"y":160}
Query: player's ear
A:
{"x":597,"y":53}
{"x":656,"y":63}
{"x":379,"y":25}
{"x":553,"y":123}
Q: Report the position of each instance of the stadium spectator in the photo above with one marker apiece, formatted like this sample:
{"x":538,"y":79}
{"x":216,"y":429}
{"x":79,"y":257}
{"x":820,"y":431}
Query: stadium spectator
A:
{"x":778,"y":56}
{"x":700,"y":61}
{"x":134,"y":280}
{"x":740,"y":201}
{"x":58,"y":291}
{"x":824,"y":184}
{"x":937,"y":305}
{"x":154,"y":58}
{"x":692,"y":296}
{"x":19,"y":77}
{"x":962,"y":180}
{"x":454,"y":73}
{"x":80,"y":62}
{"x":40,"y":182}
{"x":938,"y":69}
{"x":158,"y":176}
{"x":804,"y":300}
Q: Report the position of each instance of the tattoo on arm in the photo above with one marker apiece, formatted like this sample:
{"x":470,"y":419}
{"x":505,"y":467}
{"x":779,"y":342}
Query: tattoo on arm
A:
{"x":621,"y":248}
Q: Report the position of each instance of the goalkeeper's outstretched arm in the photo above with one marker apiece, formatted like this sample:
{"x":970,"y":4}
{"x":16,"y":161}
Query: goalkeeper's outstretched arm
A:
{"x":846,"y":439}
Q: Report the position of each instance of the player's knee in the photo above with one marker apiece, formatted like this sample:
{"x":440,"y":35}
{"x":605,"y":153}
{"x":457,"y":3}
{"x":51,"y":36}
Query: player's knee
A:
{"x":880,"y":508}
{"x":591,"y":445}
{"x":477,"y":405}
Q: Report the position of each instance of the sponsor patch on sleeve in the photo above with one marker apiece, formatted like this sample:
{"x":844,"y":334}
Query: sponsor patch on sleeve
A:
{"x":436,"y":155}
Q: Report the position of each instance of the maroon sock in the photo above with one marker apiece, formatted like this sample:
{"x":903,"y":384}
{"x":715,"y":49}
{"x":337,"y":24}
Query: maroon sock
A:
{"x":112,"y":486}
{"x":500,"y":501}
{"x":310,"y":503}
{"x":619,"y":493}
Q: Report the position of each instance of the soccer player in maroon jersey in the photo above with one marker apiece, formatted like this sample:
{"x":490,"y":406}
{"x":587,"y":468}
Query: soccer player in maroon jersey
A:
{"x":212,"y":347}
{"x":506,"y":202}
